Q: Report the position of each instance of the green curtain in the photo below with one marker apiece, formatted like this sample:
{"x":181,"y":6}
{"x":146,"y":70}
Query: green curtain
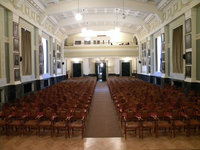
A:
{"x":177,"y":51}
{"x":26,"y":52}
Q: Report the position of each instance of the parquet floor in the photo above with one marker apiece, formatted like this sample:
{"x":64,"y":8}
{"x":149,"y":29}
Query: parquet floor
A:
{"x":77,"y":143}
{"x":45,"y":142}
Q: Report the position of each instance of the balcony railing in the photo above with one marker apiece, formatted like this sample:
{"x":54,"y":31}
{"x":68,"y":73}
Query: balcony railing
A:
{"x":102,"y":44}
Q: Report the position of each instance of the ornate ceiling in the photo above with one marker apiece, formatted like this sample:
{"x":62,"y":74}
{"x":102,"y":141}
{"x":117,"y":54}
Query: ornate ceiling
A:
{"x":101,"y":14}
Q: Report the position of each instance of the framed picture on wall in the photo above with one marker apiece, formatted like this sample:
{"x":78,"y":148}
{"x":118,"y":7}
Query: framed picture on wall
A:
{"x":17,"y":74}
{"x":58,"y":64}
{"x":41,"y":57}
{"x":15,"y":29}
{"x":16,"y":44}
{"x":149,"y":52}
{"x":41,"y":68}
{"x":58,"y":55}
{"x":163,"y":56}
{"x":163,"y":37}
{"x":188,"y":27}
{"x":54,"y":53}
{"x":163,"y":47}
{"x":163,"y":67}
{"x":16,"y":60}
{"x":188,"y":71}
{"x":188,"y":42}
{"x":188,"y":58}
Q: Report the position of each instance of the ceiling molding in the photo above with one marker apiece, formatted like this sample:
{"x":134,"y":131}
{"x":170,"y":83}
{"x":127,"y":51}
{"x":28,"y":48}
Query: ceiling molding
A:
{"x":132,"y":5}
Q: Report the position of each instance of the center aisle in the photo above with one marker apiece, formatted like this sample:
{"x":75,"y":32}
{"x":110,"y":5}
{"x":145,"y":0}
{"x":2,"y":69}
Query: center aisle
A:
{"x":103,"y":120}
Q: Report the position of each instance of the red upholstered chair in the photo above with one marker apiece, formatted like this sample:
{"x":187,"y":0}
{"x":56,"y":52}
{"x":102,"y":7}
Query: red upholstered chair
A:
{"x":45,"y":120}
{"x":77,"y":121}
{"x":193,"y":120}
{"x":31,"y":121}
{"x":180,"y":122}
{"x":15,"y":120}
{"x":60,"y":122}
{"x":163,"y":122}
{"x":131,"y":123}
{"x":148,"y":123}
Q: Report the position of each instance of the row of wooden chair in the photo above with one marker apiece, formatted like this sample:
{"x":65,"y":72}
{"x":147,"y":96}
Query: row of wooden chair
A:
{"x":133,"y":98}
{"x":66,"y":120}
{"x":44,"y":110}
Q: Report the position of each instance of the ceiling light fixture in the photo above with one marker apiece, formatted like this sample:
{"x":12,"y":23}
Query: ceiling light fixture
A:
{"x":117,"y":29}
{"x":123,"y":14}
{"x":78,"y":15}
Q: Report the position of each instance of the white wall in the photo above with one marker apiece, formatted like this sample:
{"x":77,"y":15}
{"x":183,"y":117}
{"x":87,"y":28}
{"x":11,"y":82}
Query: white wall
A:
{"x":113,"y":64}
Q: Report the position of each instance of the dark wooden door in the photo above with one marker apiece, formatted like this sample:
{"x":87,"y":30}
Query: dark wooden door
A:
{"x":125,"y":68}
{"x":77,"y":70}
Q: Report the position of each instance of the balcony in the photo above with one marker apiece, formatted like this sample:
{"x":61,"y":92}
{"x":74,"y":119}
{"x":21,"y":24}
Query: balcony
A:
{"x":101,"y":49}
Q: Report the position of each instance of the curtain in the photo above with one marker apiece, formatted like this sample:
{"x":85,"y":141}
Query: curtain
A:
{"x":26,"y":52}
{"x":177,"y":51}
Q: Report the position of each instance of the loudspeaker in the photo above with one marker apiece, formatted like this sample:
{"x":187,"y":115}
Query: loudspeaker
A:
{"x":184,"y":56}
{"x":139,"y":62}
{"x":20,"y":59}
{"x":63,"y":63}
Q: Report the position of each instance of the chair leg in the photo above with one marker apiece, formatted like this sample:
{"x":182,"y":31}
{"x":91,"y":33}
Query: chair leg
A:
{"x":65,"y":133}
{"x":82,"y":132}
{"x":157,"y":131}
{"x":38,"y":131}
{"x":125,"y":131}
{"x":51,"y":131}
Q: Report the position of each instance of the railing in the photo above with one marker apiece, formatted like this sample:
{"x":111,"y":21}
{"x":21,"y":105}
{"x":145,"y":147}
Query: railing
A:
{"x":103,"y":44}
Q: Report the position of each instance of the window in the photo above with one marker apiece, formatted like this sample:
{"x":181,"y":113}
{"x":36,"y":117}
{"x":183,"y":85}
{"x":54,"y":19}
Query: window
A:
{"x":77,"y":42}
{"x":45,"y":52}
{"x":87,"y":42}
{"x":158,"y":53}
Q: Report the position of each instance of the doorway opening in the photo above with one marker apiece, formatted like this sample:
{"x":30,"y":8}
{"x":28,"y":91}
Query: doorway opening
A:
{"x":100,"y":70}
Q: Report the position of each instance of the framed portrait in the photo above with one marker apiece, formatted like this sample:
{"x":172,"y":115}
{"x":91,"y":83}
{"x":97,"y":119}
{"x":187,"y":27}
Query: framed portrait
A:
{"x":188,"y":41}
{"x":163,"y":47}
{"x":58,"y":55}
{"x":149,"y":61}
{"x":41,"y":69}
{"x":15,"y":29}
{"x":188,"y":27}
{"x":188,"y":58}
{"x":163,"y":67}
{"x":17,"y":74}
{"x":145,"y":53}
{"x":16,"y":60}
{"x":16,"y":44}
{"x":58,"y":64}
{"x":41,"y":57}
{"x":188,"y":71}
{"x":163,"y":56}
{"x":163,"y":37}
{"x":149,"y":69}
{"x":59,"y":48}
{"x":149,"y":52}
{"x":54,"y":53}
